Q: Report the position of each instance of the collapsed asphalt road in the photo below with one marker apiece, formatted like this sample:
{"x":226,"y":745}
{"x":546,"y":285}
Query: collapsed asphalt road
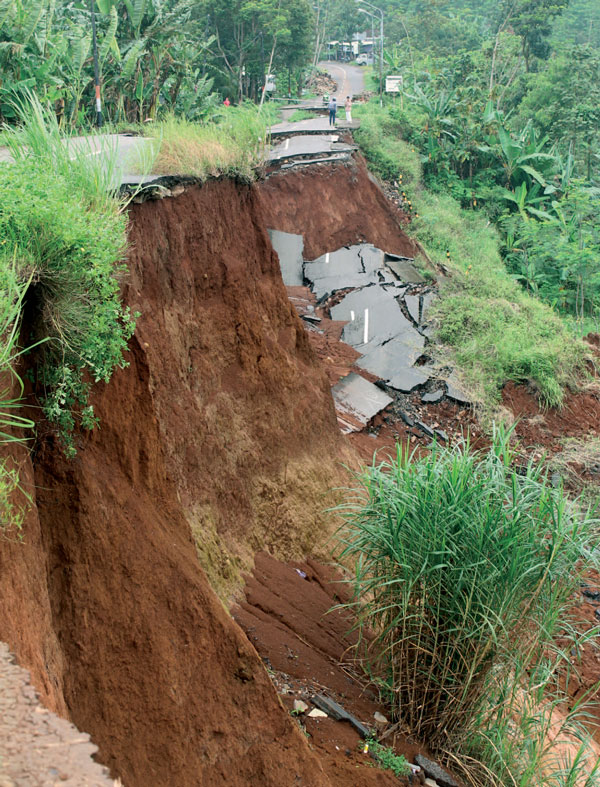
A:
{"x":385,"y":304}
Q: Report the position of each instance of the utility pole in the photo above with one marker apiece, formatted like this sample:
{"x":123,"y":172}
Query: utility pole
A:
{"x":380,"y":12}
{"x":96,"y":67}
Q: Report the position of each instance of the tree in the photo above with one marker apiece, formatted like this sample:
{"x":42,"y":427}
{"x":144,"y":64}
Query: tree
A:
{"x":532,"y":21}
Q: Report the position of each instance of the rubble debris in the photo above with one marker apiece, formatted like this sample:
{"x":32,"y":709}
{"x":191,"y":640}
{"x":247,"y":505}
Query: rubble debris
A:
{"x":357,"y":401}
{"x":317,"y":714}
{"x":289,"y":249}
{"x":335,"y":711}
{"x":300,"y":706}
{"x":433,"y":771}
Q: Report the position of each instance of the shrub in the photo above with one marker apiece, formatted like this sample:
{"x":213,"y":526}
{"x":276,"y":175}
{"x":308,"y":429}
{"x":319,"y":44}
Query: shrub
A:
{"x":465,"y":566}
{"x":62,"y":236}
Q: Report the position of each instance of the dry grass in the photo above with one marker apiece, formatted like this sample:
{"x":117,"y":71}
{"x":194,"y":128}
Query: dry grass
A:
{"x":232,"y":146}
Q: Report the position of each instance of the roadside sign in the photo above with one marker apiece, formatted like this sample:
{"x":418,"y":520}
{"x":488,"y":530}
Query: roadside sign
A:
{"x":393,"y":84}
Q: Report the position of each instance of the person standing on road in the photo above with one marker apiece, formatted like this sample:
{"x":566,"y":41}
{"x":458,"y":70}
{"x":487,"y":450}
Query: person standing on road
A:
{"x":332,"y":111}
{"x":348,"y":108}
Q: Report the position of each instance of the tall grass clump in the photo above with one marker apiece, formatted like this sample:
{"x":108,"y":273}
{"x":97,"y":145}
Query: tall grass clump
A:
{"x":62,"y":240}
{"x":464,"y":570}
{"x":233,"y":144}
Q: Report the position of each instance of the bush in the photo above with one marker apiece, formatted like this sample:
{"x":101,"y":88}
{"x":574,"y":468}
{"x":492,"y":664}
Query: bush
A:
{"x":464,"y":567}
{"x":62,"y":236}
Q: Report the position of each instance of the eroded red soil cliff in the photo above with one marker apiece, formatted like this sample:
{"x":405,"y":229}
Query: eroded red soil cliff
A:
{"x":220,"y":425}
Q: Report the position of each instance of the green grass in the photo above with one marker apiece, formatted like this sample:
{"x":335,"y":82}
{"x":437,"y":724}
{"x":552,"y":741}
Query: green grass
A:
{"x":494,"y":330}
{"x":232,"y":145}
{"x":497,"y":331}
{"x":62,"y":239}
{"x":388,"y":760}
{"x":465,"y":569}
{"x":301,"y":114}
{"x":389,"y":156}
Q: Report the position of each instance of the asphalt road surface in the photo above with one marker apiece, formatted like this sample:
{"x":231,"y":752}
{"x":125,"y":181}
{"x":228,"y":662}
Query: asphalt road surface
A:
{"x":130,"y":154}
{"x":350,"y":79}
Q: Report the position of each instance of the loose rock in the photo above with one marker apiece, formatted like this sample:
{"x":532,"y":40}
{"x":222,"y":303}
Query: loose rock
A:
{"x":435,"y":772}
{"x":300,"y":706}
{"x":317,"y":714}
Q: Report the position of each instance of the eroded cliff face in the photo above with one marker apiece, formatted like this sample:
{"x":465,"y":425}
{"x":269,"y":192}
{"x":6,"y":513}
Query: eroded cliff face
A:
{"x":333,"y":206}
{"x":220,"y":433}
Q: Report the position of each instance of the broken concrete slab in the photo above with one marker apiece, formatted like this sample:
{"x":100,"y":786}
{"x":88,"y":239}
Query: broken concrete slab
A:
{"x":413,"y":304}
{"x":335,"y":711}
{"x":289,"y":249}
{"x":455,"y":390}
{"x":404,"y":270}
{"x":373,"y":317}
{"x":357,"y":401}
{"x":301,"y":146}
{"x":434,"y":771}
{"x":428,"y":300}
{"x":433,"y":397}
{"x":349,"y":267}
{"x":393,"y":363}
{"x":294,"y":164}
{"x":407,"y":379}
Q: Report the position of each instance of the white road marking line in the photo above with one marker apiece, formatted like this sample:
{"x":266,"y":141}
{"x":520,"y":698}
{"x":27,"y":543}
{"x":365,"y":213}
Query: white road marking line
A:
{"x":366,"y":337}
{"x":287,"y":144}
{"x":352,"y":316}
{"x":327,"y":261}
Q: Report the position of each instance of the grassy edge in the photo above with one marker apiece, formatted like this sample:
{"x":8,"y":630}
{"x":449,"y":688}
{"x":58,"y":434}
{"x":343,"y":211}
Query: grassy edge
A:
{"x":490,"y":328}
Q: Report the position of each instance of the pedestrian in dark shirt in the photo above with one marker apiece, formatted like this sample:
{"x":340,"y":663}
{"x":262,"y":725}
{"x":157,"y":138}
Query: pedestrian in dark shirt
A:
{"x":332,"y":111}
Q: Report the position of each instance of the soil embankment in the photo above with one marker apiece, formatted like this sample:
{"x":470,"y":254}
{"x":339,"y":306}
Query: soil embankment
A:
{"x":219,"y":440}
{"x":333,"y":206}
{"x":223,"y":426}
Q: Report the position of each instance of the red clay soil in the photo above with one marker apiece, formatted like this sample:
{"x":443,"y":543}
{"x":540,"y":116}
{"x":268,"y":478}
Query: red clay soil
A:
{"x":579,"y":417}
{"x":333,"y":206}
{"x":287,"y":615}
{"x":105,"y":600}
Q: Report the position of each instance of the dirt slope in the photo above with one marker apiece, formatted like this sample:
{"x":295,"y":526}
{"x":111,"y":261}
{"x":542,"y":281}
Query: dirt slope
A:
{"x":222,"y":424}
{"x":333,"y":206}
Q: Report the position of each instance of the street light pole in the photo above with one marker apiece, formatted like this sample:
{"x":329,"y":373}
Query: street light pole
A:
{"x":380,"y":12}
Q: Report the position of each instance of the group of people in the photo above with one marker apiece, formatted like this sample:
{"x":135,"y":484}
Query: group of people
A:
{"x":333,"y":110}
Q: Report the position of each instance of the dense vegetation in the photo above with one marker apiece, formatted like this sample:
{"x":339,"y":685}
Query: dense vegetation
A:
{"x":156,"y":56}
{"x":465,"y":570}
{"x":62,"y":239}
{"x":496,"y":330}
{"x":502,"y":101}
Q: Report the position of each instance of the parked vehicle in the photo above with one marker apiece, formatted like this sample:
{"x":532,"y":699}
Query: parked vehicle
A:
{"x":362,"y":59}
